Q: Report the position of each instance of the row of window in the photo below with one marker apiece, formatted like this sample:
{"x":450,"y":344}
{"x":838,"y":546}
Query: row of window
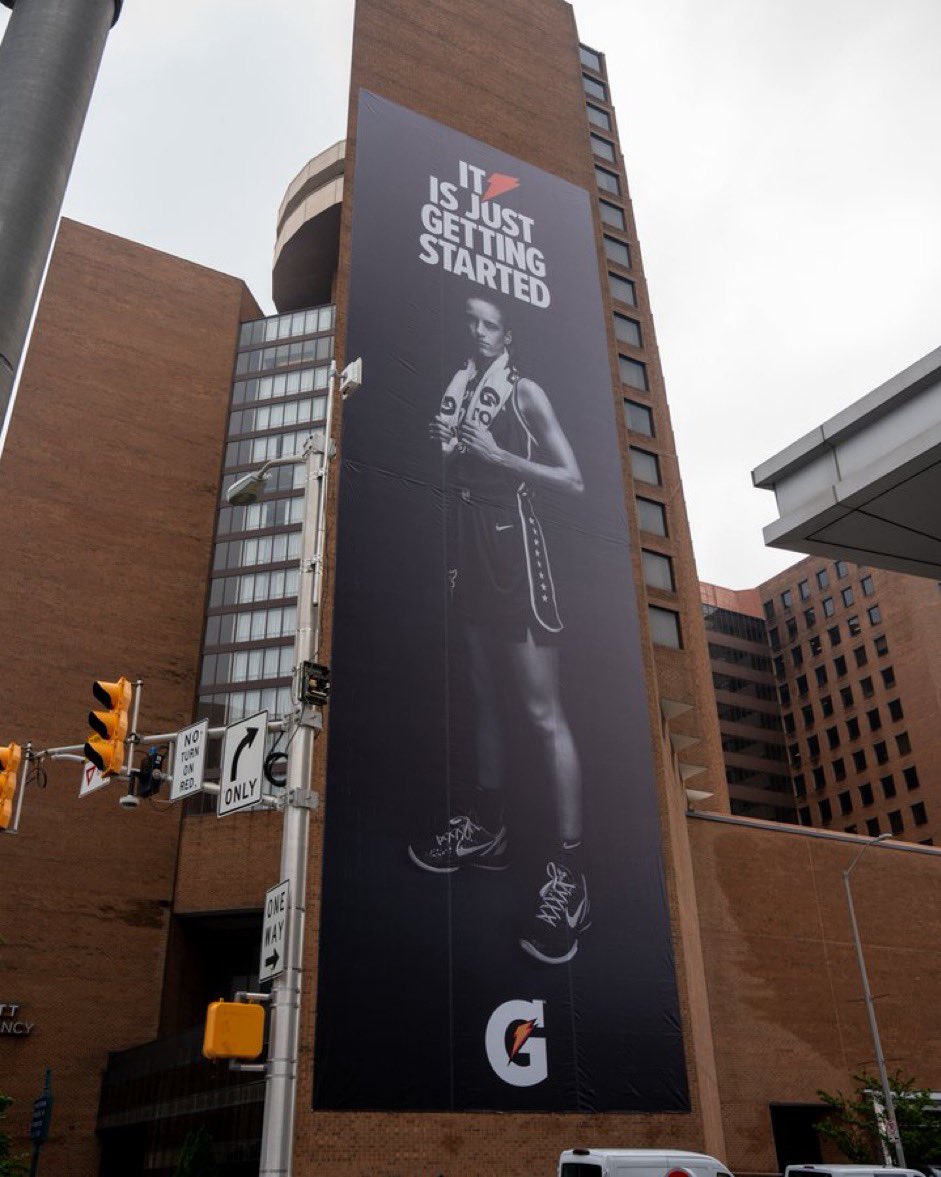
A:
{"x":255,"y":450}
{"x":752,"y":747}
{"x":753,"y":717}
{"x":306,"y":351}
{"x":222,"y":709}
{"x":256,"y":516}
{"x":280,"y":327}
{"x":240,"y":666}
{"x":834,"y":634}
{"x":727,"y":621}
{"x":722,"y":653}
{"x":267,"y":549}
{"x":860,"y":656}
{"x":264,"y":388}
{"x":848,"y":701}
{"x":280,"y":584}
{"x":295,"y":412}
{"x":840,"y":567}
{"x":880,"y":748}
{"x":919,"y":817}
{"x":256,"y":625}
{"x":909,"y":775}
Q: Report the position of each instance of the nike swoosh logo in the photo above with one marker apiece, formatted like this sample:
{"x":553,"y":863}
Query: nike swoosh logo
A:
{"x":575,"y":918}
{"x":504,"y":526}
{"x":462,"y":853}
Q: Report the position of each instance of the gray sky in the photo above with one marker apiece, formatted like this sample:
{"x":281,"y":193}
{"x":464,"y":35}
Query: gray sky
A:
{"x":782,"y":159}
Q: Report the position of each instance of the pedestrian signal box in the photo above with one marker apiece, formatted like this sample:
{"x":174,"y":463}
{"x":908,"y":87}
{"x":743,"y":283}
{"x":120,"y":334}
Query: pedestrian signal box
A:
{"x":234,"y":1029}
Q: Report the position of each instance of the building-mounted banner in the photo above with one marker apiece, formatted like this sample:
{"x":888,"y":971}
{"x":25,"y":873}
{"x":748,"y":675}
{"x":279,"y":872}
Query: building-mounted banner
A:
{"x":495,"y":930}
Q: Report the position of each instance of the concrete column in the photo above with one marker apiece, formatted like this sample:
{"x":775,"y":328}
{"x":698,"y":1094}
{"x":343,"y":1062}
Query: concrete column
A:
{"x":49,"y":59}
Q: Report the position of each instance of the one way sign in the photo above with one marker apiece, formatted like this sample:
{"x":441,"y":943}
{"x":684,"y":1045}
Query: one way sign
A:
{"x":274,"y":932}
{"x":243,"y":756}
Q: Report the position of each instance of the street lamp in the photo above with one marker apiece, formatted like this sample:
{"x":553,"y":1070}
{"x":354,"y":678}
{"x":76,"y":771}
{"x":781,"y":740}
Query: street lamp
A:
{"x":893,"y":1127}
{"x":277,"y":1138}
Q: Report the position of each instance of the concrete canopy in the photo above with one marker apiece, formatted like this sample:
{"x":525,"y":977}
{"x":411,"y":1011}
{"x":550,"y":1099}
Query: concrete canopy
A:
{"x":866,"y":485}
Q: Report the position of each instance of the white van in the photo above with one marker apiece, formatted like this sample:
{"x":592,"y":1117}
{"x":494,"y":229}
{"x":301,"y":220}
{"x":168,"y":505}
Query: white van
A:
{"x":849,"y":1171}
{"x":638,"y":1162}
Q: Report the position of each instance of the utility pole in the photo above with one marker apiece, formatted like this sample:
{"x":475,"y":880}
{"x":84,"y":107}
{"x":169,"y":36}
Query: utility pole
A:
{"x":49,"y":60}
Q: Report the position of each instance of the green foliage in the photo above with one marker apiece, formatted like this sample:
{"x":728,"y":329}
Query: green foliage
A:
{"x":10,"y":1166}
{"x":196,"y":1156}
{"x":852,"y":1126}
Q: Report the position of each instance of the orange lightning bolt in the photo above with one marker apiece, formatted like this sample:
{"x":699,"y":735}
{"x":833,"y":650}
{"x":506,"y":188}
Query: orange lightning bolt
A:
{"x":497,"y":184}
{"x":520,"y":1034}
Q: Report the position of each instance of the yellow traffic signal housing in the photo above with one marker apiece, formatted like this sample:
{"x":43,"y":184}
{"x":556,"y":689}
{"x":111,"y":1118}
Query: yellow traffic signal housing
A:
{"x":105,"y":746}
{"x":10,"y":758}
{"x":234,"y":1029}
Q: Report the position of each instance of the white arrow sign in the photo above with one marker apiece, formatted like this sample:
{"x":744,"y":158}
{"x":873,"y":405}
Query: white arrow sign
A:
{"x":274,"y":932}
{"x":189,"y":759}
{"x":92,"y":779}
{"x":243,"y":756}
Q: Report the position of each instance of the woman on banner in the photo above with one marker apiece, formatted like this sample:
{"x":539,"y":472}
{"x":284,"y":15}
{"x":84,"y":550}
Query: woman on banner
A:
{"x":501,"y":442}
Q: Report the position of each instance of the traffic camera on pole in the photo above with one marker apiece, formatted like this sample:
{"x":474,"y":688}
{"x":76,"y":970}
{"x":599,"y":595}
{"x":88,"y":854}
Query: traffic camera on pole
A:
{"x":105,"y":746}
{"x":10,"y":758}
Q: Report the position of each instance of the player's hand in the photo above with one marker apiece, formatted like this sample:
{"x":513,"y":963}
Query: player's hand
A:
{"x":479,"y":441}
{"x":440,"y":431}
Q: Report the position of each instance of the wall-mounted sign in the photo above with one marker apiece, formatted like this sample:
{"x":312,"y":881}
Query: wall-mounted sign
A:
{"x":12,"y":1022}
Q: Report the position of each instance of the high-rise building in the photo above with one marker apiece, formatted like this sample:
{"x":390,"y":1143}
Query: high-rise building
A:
{"x":638,"y":980}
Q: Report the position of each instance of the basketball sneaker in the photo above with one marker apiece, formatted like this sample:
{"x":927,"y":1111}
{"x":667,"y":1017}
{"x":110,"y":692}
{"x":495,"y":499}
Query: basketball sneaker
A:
{"x":561,"y":914}
{"x":463,"y":843}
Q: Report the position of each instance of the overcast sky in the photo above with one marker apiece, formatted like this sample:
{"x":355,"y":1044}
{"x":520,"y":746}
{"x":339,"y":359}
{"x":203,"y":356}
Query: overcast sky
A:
{"x":782,"y":158}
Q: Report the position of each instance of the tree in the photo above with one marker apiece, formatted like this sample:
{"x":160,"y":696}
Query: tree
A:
{"x":10,"y":1166}
{"x":196,"y":1155}
{"x":852,"y":1125}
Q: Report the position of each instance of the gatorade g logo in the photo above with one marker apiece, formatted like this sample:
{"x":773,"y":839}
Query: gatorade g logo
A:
{"x":516,"y":1043}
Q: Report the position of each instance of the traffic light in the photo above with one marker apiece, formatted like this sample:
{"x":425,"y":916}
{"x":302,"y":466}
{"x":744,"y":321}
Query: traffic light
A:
{"x":234,"y":1029}
{"x":105,"y":746}
{"x":10,"y":758}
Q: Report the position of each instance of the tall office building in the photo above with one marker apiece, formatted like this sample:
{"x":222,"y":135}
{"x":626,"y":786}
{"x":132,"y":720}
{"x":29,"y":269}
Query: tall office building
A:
{"x":629,"y":972}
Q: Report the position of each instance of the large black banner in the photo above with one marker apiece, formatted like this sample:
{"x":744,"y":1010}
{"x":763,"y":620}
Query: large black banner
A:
{"x":495,"y":931}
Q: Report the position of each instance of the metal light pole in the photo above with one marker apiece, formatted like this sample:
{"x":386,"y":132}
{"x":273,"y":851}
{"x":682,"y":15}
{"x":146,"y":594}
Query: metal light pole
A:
{"x":49,"y":59}
{"x":277,"y":1140}
{"x":871,"y":1008}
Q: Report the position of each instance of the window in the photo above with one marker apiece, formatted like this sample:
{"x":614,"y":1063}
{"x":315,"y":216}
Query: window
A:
{"x":633,"y":372}
{"x":807,"y":715}
{"x":867,"y":586}
{"x":658,"y":571}
{"x":779,"y":665}
{"x":611,"y":214}
{"x":895,"y":820}
{"x":644,"y":466}
{"x":789,"y":723}
{"x":784,"y":694}
{"x":841,"y":569}
{"x":903,"y":743}
{"x":888,"y":677}
{"x":859,"y":653}
{"x":813,"y":747}
{"x":804,"y":814}
{"x":839,"y":769}
{"x":919,"y":815}
{"x":799,"y":787}
{"x":846,"y":696}
{"x":911,"y":776}
{"x":822,"y":578}
{"x":867,"y":687}
{"x":872,"y":827}
{"x":803,"y":590}
{"x":874,"y":719}
{"x":882,"y":645}
{"x":833,"y":737}
{"x":810,"y":618}
{"x":821,"y":675}
{"x":774,"y":638}
{"x":852,"y":624}
{"x":797,"y":656}
{"x":639,"y":418}
{"x":769,"y":609}
{"x":859,"y":760}
{"x":828,"y":607}
{"x":839,"y":665}
{"x":849,"y":829}
{"x":826,"y":706}
{"x":601,"y":147}
{"x":801,"y":682}
{"x":622,"y":289}
{"x":846,"y":802}
{"x":607,"y":181}
{"x":794,"y":753}
{"x":875,"y":615}
{"x":847,"y":595}
{"x":820,"y":779}
{"x":664,"y":627}
{"x":852,"y":728}
{"x":595,"y":89}
{"x":815,"y":646}
{"x":618,"y":252}
{"x":895,"y":709}
{"x":651,"y":516}
{"x":600,"y":118}
{"x":865,"y":794}
{"x":888,"y":786}
{"x":787,"y":598}
{"x":833,"y":633}
{"x":791,"y":629}
{"x":826,"y":811}
{"x":628,"y":331}
{"x":590,"y":58}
